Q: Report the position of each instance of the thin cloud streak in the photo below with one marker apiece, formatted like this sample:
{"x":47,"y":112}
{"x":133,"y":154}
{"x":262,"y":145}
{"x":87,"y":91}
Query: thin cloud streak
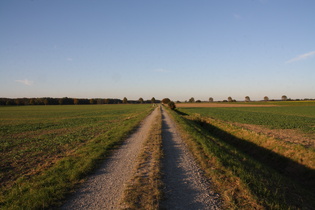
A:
{"x":301,"y":57}
{"x":160,"y":70}
{"x":25,"y":82}
{"x":237,"y":16}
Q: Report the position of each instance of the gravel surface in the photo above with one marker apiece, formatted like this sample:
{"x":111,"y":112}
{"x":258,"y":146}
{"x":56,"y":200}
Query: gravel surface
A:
{"x":185,"y":186}
{"x":103,"y":190}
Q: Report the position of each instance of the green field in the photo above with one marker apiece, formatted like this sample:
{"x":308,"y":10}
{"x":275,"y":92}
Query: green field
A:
{"x":279,"y":117}
{"x":56,"y":146}
{"x":251,"y":169}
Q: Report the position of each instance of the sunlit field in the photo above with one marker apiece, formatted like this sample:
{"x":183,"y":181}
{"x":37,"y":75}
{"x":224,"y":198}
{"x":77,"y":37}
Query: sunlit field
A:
{"x":259,"y":156}
{"x":41,"y":144}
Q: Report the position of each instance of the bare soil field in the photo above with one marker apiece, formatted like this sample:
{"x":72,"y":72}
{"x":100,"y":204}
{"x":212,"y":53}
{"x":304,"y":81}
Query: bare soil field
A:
{"x":182,"y":105}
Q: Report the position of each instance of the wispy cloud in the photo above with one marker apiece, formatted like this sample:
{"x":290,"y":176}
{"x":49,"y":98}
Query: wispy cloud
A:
{"x":25,"y":82}
{"x":237,"y":16}
{"x":161,"y":70}
{"x":301,"y":57}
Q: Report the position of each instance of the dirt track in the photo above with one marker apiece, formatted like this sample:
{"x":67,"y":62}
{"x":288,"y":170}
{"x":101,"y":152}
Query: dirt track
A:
{"x":185,"y":186}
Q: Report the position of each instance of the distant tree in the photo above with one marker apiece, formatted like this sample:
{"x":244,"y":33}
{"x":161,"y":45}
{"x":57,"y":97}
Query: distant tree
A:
{"x":192,"y":100}
{"x":141,"y":100}
{"x":210,"y":99}
{"x":266,"y":98}
{"x":75,"y":101}
{"x":32,"y":101}
{"x":60,"y":101}
{"x":247,"y":99}
{"x":9,"y":103}
{"x":125,"y":100}
{"x":46,"y":101}
{"x":153,"y":100}
{"x":106,"y":101}
{"x":172,"y":105}
{"x":166,"y":100}
{"x":92,"y":101}
{"x":284,"y":98}
{"x":230,"y":99}
{"x":100,"y":101}
{"x":71,"y":101}
{"x":65,"y":100}
{"x":39,"y":101}
{"x":18,"y":102}
{"x":198,"y":101}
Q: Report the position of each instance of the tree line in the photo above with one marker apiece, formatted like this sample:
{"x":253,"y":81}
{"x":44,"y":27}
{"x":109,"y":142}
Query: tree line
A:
{"x":70,"y":101}
{"x":247,"y":99}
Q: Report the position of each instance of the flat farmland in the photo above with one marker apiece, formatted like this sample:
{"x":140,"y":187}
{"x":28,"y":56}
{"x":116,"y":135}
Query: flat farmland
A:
{"x":190,"y":105}
{"x":264,"y":150}
{"x":39,"y":143}
{"x":278,"y":115}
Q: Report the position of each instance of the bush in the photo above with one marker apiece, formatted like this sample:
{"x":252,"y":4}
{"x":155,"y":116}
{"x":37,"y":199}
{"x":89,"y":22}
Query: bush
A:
{"x":172,"y":105}
{"x":166,"y":100}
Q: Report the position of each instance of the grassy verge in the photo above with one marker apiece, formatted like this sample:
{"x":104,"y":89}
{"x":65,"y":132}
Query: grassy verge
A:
{"x":144,"y":190}
{"x":48,"y":187}
{"x":242,"y":171}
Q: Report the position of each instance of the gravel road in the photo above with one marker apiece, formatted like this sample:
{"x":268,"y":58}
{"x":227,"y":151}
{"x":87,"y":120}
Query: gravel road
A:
{"x":104,"y":189}
{"x":185,"y":186}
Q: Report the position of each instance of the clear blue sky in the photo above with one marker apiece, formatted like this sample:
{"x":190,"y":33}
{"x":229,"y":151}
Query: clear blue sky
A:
{"x":166,"y":48}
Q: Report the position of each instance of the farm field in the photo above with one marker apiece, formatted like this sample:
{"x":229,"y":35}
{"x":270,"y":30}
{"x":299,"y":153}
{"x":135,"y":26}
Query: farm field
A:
{"x":299,"y":116}
{"x":263,"y":153}
{"x":45,"y":145}
{"x":248,"y":104}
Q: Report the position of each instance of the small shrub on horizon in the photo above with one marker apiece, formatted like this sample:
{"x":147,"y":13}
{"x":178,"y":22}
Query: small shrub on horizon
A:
{"x":172,"y":105}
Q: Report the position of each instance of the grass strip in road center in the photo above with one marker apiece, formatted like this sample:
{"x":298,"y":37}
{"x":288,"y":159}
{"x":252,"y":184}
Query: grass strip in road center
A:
{"x":144,"y":190}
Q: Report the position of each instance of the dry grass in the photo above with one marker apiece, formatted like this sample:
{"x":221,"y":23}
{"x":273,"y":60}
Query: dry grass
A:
{"x":143,"y":191}
{"x":288,"y":135}
{"x":281,"y":142}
